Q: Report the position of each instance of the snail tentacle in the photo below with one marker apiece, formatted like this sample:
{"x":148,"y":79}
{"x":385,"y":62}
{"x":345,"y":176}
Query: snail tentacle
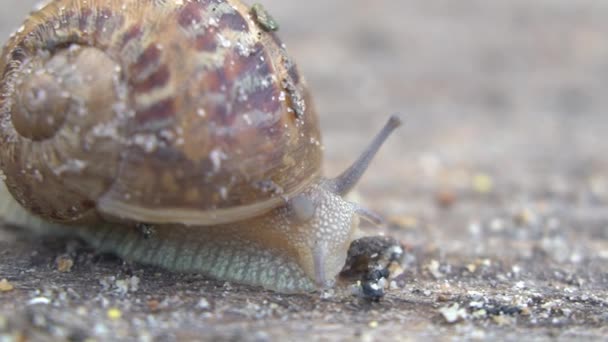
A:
{"x":349,"y":178}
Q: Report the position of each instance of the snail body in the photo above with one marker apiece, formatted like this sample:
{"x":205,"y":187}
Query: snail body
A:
{"x":176,"y":133}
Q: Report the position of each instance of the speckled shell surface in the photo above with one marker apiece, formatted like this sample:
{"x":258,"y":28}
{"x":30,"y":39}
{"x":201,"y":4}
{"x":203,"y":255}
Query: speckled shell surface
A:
{"x":201,"y":117}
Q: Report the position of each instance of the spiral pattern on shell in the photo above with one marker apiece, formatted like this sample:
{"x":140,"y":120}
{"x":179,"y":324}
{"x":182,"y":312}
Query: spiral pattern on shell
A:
{"x":153,"y":110}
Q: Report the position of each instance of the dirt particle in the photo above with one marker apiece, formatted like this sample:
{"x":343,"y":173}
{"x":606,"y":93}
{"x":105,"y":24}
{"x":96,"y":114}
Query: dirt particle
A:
{"x":153,"y":305}
{"x":445,"y":199}
{"x":444,"y":297}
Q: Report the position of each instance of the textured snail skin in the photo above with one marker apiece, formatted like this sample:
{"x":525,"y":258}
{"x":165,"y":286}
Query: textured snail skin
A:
{"x":184,"y":116}
{"x":271,"y":251}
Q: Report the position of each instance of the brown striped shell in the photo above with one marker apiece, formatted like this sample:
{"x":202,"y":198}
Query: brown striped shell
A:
{"x":182,"y":111}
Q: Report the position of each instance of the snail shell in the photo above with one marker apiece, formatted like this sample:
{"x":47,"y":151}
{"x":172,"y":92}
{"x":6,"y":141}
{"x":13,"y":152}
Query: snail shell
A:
{"x":185,"y":117}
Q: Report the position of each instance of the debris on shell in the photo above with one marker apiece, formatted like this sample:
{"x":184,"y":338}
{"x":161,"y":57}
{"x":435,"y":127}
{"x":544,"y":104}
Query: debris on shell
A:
{"x":263,"y":18}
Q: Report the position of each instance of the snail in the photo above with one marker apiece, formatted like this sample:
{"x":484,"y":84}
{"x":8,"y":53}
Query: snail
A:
{"x":177,"y":133}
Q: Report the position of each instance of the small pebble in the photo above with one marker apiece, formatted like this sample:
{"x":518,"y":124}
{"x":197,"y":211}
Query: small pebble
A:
{"x":481,"y":313}
{"x":134,"y":283}
{"x":476,"y":304}
{"x":327,"y":294}
{"x":203,"y":304}
{"x":114,"y":314}
{"x":100,"y":329}
{"x":64,"y":264}
{"x":82,"y":311}
{"x":497,"y":225}
{"x":454,"y":313}
{"x":524,"y":217}
{"x":122,"y":286}
{"x":433,"y":267}
{"x":482,"y":183}
{"x":5,"y":286}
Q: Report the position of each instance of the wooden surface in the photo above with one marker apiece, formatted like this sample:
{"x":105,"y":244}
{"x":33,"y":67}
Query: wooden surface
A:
{"x":497,"y":184}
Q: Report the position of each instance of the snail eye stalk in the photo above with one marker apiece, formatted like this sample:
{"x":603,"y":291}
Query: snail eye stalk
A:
{"x":370,"y":216}
{"x":348,"y":179}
